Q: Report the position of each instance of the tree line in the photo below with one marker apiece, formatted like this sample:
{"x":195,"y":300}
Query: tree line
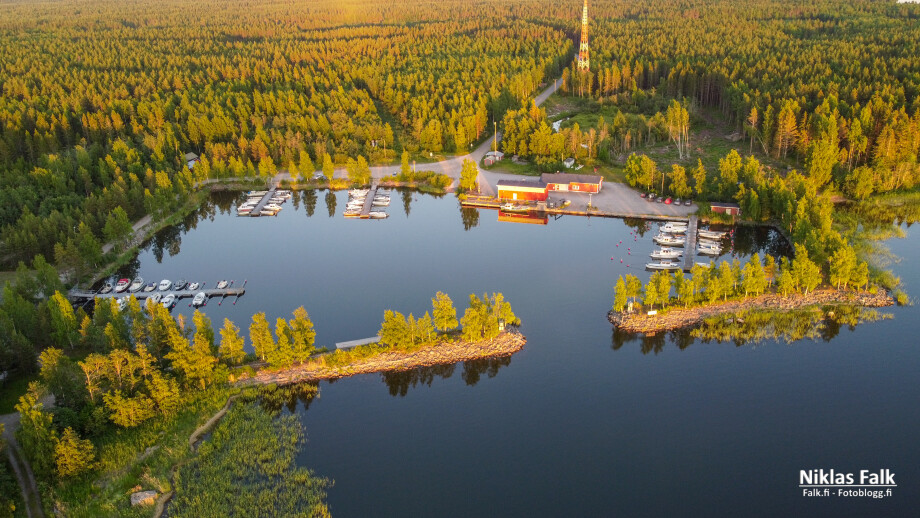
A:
{"x":712,"y":284}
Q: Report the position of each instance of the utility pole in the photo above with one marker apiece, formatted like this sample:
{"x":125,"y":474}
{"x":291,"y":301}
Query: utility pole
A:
{"x":495,"y":136}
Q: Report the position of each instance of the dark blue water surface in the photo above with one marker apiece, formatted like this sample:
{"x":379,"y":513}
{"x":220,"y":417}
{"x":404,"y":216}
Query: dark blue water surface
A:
{"x":570,"y":426}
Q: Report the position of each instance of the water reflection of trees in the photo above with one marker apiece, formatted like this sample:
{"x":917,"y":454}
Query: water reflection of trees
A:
{"x":470,"y":217}
{"x":273,"y":398}
{"x":331,"y":202}
{"x":407,"y":201}
{"x":309,"y":202}
{"x":400,"y":382}
{"x":752,"y":327}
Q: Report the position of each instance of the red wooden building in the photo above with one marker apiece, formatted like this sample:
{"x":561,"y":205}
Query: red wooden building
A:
{"x":521,"y":190}
{"x":732,"y":209}
{"x":572,"y":182}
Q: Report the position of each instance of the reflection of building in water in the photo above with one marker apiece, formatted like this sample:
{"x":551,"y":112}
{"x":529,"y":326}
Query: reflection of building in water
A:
{"x":523,"y":217}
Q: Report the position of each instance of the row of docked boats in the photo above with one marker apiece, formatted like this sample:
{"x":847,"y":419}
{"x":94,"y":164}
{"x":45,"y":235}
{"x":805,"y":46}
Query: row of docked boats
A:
{"x":672,"y":235}
{"x":155,"y":293}
{"x":271,"y":207}
{"x":357,"y":199}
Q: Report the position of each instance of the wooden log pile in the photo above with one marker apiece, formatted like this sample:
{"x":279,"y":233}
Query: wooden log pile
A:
{"x":678,"y":318}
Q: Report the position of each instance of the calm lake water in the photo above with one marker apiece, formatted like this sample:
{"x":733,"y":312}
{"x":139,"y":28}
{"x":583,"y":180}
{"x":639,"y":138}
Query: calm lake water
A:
{"x":570,"y":426}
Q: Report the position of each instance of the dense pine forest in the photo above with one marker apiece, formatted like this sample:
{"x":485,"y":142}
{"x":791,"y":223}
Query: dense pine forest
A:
{"x":101,"y":100}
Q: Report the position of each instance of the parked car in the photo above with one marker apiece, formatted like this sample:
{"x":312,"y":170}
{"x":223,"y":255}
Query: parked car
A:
{"x":687,"y":202}
{"x":642,"y":195}
{"x":667,"y":201}
{"x":660,"y":200}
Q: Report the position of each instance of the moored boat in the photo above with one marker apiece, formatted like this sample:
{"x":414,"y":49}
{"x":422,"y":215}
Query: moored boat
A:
{"x":711,"y":234}
{"x":268,"y":212}
{"x":194,"y":286}
{"x":136,"y":285}
{"x":222,"y":284}
{"x":106,"y":288}
{"x":663,"y":265}
{"x":154,"y":299}
{"x":674,"y":229}
{"x":168,"y":300}
{"x":180,"y":285}
{"x":376,"y":214}
{"x":665,"y":239}
{"x":122,"y":302}
{"x":122,"y":285}
{"x":709,"y":250}
{"x":165,"y":284}
{"x":199,"y":299}
{"x":666,"y":253}
{"x":513,"y":207}
{"x":150,"y":286}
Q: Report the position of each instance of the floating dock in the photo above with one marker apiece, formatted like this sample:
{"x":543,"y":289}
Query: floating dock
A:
{"x":256,"y":212}
{"x":690,"y":244}
{"x":229,"y":291}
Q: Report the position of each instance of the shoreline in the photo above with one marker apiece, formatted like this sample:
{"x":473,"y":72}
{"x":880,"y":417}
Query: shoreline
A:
{"x":440,"y":353}
{"x":678,"y":318}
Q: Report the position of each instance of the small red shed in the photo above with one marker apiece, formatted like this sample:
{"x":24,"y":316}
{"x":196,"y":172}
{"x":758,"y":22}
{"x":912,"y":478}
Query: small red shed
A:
{"x":731,"y":209}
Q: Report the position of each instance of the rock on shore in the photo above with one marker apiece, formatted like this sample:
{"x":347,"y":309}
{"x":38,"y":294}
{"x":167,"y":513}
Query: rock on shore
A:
{"x":505,"y":344}
{"x":677,"y":318}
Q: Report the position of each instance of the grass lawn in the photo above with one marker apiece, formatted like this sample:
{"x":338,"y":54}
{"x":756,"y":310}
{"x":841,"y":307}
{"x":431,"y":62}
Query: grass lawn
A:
{"x":12,"y":389}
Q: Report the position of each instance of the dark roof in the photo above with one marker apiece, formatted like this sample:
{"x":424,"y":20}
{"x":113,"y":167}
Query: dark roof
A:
{"x":570,"y":178}
{"x":190,"y":156}
{"x":521,"y":183}
{"x":726,"y":205}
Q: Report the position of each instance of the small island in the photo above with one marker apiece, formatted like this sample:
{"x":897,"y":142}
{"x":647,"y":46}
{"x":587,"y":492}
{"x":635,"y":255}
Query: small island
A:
{"x":731,"y":289}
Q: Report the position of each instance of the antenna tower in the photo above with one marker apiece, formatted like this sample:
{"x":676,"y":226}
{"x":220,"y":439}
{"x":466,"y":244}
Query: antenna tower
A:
{"x":583,"y":62}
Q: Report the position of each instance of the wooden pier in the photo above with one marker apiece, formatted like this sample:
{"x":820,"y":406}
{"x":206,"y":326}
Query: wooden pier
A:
{"x":355,"y":343}
{"x":256,"y":212}
{"x":690,"y":244}
{"x":368,"y":203}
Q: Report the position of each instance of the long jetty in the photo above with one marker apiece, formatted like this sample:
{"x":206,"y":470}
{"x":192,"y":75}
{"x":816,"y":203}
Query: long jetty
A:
{"x":256,"y":212}
{"x":690,"y":244}
{"x":368,"y":203}
{"x":229,"y":291}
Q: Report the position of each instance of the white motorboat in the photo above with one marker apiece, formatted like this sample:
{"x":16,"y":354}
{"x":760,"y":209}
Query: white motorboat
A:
{"x":136,"y":285}
{"x":358,"y":192}
{"x":165,"y":284}
{"x":704,"y":265}
{"x":376,"y":214}
{"x":273,"y":206}
{"x":667,"y":253}
{"x":168,"y":300}
{"x":674,"y":229}
{"x":711,"y":234}
{"x":194,"y":286}
{"x":381,"y":203}
{"x":666,"y":239}
{"x":709,"y":242}
{"x":199,"y":299}
{"x":107,"y":288}
{"x":269,"y":212}
{"x":154,"y":299}
{"x":180,"y":285}
{"x":706,"y":250}
{"x":663,"y":265}
{"x":122,"y":285}
{"x":150,"y":287}
{"x":222,"y":284}
{"x":256,"y":193}
{"x":122,"y":303}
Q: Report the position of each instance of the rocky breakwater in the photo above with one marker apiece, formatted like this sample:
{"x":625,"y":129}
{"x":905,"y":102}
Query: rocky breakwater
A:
{"x":505,"y":344}
{"x":678,"y":318}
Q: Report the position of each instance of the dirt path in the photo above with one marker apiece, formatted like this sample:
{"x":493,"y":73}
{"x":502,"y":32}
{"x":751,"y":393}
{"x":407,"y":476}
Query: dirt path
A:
{"x":21,"y":468}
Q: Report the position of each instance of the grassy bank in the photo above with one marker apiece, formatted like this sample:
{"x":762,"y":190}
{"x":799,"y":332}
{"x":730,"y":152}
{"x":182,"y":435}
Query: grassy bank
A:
{"x":135,"y":459}
{"x":247,"y":467}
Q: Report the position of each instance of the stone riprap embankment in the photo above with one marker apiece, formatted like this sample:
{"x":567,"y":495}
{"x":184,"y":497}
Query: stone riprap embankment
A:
{"x":677,"y":318}
{"x":505,"y":344}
